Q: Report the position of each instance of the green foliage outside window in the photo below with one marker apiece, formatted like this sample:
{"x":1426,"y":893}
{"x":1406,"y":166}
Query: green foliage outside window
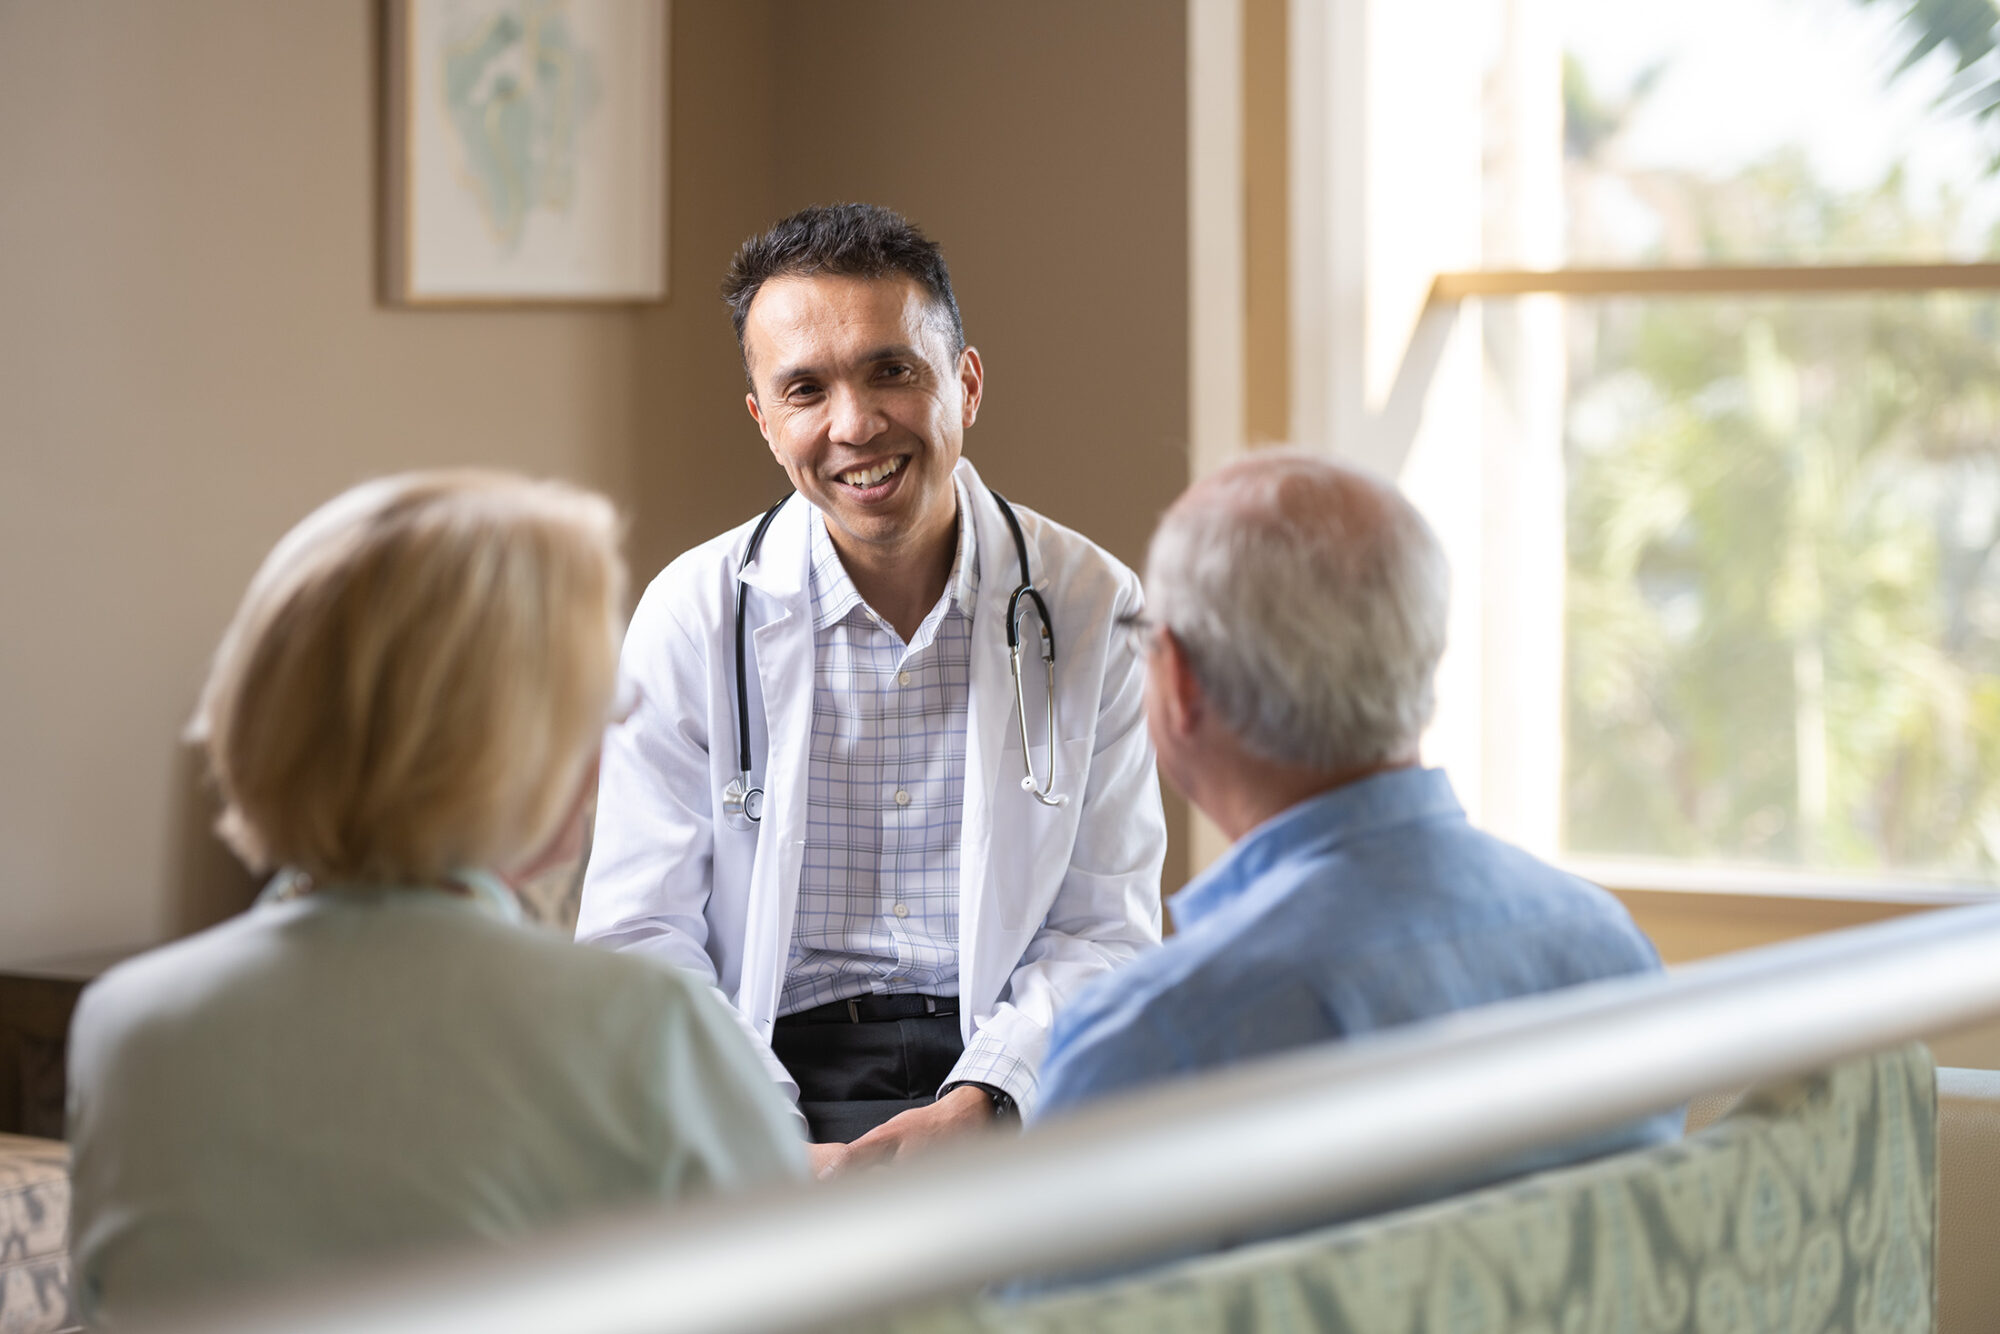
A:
{"x":1783,"y":593}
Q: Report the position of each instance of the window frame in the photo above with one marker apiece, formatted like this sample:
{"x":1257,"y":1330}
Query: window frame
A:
{"x":1451,"y":291}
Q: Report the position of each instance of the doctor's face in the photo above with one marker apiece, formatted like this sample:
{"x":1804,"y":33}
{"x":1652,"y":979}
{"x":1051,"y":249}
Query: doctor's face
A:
{"x":857,"y":391}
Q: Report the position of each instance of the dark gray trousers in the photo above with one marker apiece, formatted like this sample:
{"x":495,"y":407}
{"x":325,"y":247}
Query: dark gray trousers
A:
{"x":854,"y":1076}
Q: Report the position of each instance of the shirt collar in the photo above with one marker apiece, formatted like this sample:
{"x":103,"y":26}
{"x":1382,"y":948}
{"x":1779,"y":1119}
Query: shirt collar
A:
{"x":963,"y":582}
{"x":485,"y":892}
{"x":834,"y":595}
{"x":1315,"y":826}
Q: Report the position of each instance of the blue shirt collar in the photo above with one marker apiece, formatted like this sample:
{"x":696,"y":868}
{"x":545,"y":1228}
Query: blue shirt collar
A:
{"x":1315,"y":825}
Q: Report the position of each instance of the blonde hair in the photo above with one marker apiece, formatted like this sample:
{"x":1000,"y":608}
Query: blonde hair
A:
{"x":417,"y":677}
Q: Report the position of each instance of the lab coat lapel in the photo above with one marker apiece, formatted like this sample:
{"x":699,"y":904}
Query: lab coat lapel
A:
{"x":783,"y":652}
{"x":983,"y":973}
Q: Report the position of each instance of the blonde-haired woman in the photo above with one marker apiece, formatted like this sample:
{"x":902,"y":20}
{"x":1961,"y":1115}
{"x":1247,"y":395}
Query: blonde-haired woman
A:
{"x":403,"y":718}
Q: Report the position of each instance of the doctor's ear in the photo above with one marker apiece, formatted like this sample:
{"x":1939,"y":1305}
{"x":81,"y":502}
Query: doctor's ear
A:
{"x":757,"y":415}
{"x":972,"y":380}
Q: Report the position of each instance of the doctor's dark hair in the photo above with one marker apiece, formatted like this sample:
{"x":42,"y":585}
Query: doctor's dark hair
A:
{"x":843,"y":241}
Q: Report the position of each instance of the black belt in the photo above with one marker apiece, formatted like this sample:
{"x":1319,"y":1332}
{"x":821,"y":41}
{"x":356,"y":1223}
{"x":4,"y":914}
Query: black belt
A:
{"x":873,"y":1009}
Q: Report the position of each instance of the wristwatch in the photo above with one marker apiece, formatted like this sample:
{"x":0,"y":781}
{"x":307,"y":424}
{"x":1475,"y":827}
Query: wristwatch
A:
{"x":1004,"y":1108}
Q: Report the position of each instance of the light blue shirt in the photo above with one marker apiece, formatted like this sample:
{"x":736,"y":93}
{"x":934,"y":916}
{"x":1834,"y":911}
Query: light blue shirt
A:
{"x":369,"y":1073}
{"x":1372,"y":905}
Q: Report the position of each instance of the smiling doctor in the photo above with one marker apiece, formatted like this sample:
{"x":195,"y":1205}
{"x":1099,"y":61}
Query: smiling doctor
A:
{"x":822,"y":802}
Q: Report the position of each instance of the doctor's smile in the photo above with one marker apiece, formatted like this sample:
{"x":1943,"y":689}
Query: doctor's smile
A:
{"x":863,"y":391}
{"x":873,"y":482}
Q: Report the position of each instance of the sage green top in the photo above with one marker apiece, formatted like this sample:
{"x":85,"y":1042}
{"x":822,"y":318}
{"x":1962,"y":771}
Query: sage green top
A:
{"x":370,"y":1072}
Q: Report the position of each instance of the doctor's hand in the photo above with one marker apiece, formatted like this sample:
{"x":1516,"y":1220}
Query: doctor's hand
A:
{"x":826,"y":1159}
{"x":959,"y":1112}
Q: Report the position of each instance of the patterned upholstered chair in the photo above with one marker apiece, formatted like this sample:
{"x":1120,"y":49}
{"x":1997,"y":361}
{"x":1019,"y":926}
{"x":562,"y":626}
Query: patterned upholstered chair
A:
{"x":1810,"y":1207}
{"x":34,"y":1214}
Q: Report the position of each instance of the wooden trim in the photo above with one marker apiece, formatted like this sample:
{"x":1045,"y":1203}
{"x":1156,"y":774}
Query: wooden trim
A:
{"x":1719,"y":280}
{"x":1768,"y":882}
{"x":1267,"y":352}
{"x":1688,"y":924}
{"x":1215,"y":233}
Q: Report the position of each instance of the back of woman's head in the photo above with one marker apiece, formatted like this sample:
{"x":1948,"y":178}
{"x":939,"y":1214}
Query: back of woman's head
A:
{"x":417,"y":677}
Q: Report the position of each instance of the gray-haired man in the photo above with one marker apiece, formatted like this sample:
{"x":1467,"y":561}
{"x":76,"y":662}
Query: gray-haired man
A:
{"x":1296,"y":615}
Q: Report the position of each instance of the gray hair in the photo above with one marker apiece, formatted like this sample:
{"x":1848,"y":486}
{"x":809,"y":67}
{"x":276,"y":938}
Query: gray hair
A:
{"x":1310,"y":599}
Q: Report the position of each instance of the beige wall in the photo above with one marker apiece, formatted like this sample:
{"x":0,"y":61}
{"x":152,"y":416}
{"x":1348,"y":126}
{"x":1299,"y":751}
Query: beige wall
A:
{"x":191,"y":354}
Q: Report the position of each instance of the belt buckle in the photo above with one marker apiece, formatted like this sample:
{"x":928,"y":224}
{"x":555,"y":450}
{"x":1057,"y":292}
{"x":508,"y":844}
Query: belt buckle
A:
{"x":853,"y":1011}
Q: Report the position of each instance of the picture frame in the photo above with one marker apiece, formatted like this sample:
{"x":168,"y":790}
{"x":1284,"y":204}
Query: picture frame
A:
{"x":525,"y":146}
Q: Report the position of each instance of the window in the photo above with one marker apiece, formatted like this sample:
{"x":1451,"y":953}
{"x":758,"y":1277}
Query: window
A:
{"x":1724,"y":510}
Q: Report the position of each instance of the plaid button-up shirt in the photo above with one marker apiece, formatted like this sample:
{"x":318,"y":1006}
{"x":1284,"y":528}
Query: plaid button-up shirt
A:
{"x":878,"y":889}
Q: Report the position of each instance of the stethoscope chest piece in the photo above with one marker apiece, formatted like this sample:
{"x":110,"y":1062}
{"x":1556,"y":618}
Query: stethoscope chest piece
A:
{"x":740,"y":799}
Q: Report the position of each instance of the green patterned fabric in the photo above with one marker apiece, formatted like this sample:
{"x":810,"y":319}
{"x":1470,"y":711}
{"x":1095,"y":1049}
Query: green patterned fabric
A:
{"x":34,"y":1213}
{"x":1810,"y":1209}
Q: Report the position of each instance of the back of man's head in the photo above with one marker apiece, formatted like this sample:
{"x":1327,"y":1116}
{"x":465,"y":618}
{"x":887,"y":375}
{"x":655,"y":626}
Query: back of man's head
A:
{"x":1310,"y":600}
{"x":844,"y":241}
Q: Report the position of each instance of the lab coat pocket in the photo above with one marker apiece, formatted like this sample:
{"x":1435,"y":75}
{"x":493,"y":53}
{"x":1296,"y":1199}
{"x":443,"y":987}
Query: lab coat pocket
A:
{"x":1032,"y":841}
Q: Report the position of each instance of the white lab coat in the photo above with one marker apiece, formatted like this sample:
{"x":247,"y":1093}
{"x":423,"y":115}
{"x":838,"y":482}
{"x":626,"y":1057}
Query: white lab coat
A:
{"x":1049,"y":897}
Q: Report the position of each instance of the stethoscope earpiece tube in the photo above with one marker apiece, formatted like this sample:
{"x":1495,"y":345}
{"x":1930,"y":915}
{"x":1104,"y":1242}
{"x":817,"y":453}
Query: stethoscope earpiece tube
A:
{"x":740,"y":798}
{"x":1042,"y":792}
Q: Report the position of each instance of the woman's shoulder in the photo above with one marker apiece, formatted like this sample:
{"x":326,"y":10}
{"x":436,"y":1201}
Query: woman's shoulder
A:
{"x":184,"y":984}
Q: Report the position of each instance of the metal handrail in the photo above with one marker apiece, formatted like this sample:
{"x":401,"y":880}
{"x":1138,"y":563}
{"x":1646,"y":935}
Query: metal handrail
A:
{"x":1308,"y":1134}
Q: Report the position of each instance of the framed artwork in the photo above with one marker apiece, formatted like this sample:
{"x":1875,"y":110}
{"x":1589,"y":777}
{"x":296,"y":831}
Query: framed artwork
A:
{"x":526,"y":151}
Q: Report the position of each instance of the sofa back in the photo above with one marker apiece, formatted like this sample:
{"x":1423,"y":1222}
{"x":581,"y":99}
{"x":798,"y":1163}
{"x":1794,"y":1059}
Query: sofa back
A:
{"x":1812,"y":1205}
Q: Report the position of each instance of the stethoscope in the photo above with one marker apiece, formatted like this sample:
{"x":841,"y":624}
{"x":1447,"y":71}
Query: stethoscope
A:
{"x":740,"y":798}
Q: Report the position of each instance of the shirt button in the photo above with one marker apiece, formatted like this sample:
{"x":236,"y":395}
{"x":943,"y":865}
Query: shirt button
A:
{"x":902,"y":797}
{"x":902,"y":910}
{"x":902,"y":678}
